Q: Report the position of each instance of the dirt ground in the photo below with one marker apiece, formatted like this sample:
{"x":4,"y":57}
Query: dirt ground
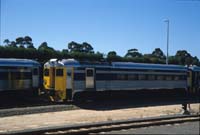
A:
{"x":32,"y":121}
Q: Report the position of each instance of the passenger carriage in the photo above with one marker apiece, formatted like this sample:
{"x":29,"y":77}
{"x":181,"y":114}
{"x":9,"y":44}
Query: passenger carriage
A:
{"x":64,"y":78}
{"x":19,"y":75}
{"x":194,"y":79}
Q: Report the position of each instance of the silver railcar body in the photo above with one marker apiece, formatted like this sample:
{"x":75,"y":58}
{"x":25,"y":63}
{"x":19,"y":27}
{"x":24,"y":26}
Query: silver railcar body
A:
{"x":130,"y":76}
{"x":194,"y":79}
{"x":18,"y":74}
{"x":119,"y":76}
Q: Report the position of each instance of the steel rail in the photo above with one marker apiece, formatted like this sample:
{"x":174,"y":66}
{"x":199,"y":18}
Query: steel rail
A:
{"x":110,"y":125}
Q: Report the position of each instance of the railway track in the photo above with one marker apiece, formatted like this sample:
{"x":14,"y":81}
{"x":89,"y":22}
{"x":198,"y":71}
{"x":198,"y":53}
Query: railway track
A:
{"x":110,"y":125}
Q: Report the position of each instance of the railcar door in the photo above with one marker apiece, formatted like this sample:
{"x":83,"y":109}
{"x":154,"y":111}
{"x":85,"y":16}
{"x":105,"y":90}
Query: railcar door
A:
{"x":189,"y":81}
{"x":35,"y":77}
{"x":90,"y":78}
{"x":60,"y":83}
{"x":196,"y":82}
{"x":199,"y":83}
{"x":69,"y":83}
{"x":49,"y":77}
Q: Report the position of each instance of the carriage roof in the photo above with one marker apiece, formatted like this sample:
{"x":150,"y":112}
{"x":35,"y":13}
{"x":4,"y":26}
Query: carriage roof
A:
{"x":18,"y":62}
{"x":195,"y":68}
{"x":123,"y":65}
{"x":75,"y":63}
{"x":148,"y":66}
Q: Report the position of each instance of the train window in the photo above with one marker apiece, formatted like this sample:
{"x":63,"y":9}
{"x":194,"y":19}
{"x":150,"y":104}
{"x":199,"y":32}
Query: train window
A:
{"x":35,"y":71}
{"x":177,"y":78}
{"x":59,"y":72}
{"x":132,"y":77}
{"x":89,"y":73}
{"x":169,"y":77}
{"x":122,"y":77}
{"x":46,"y":72}
{"x":15,"y":76}
{"x":199,"y":75}
{"x":26,"y":75}
{"x":160,"y":77}
{"x":183,"y":77}
{"x":151,"y":77}
{"x":69,"y":74}
{"x":3,"y":75}
{"x":21,"y":75}
{"x":142,"y":77}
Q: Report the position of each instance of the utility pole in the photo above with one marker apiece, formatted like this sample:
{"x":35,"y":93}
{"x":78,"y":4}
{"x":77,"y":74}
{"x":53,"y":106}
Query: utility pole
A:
{"x":167,"y":21}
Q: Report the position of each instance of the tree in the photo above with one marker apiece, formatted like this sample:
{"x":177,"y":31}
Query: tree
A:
{"x":6,"y":41}
{"x":75,"y":47}
{"x":133,"y":53}
{"x":183,"y":57}
{"x":182,"y":53}
{"x":84,"y":47}
{"x":112,"y":54}
{"x":173,"y":60}
{"x":28,"y":42}
{"x":196,"y":61}
{"x":43,"y":45}
{"x":13,"y":44}
{"x":27,"y":39}
{"x":20,"y":41}
{"x":87,"y":48}
{"x":30,"y":46}
{"x":158,"y":53}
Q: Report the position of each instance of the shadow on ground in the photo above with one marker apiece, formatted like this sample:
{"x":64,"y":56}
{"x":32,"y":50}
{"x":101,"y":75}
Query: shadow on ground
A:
{"x":135,"y":99}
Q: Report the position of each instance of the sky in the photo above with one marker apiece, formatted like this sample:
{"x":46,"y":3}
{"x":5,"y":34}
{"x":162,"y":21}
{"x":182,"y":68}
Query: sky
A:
{"x":108,"y":25}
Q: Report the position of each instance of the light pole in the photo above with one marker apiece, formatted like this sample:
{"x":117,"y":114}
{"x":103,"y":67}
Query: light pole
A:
{"x":167,"y":21}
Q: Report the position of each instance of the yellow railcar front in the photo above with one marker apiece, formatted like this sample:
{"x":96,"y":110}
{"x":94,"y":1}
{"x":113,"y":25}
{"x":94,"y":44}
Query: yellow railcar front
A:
{"x":55,"y":82}
{"x":60,"y":83}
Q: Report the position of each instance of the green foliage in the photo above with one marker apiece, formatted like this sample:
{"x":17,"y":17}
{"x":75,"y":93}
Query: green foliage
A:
{"x":133,"y":53}
{"x":158,"y":53}
{"x":76,"y":47}
{"x":112,"y":56}
{"x":185,"y":58}
{"x":23,"y":47}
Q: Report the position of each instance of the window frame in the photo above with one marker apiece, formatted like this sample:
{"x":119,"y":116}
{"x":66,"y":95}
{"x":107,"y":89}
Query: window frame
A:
{"x":59,"y":72}
{"x":35,"y":71}
{"x":46,"y":72}
{"x":90,"y":73}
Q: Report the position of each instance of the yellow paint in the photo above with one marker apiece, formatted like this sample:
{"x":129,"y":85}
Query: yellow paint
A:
{"x":60,"y":84}
{"x":46,"y":80}
{"x":49,"y":81}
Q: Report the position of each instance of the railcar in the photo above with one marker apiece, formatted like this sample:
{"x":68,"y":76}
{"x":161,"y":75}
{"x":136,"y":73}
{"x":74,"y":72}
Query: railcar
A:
{"x":64,"y":78}
{"x":194,"y":80}
{"x":19,"y":75}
